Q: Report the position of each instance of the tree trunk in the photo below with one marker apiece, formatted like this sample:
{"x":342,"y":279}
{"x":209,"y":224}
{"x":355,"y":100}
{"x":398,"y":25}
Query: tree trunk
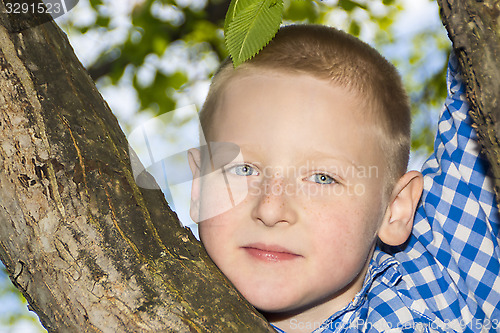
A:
{"x":88,"y":248}
{"x":473,"y":28}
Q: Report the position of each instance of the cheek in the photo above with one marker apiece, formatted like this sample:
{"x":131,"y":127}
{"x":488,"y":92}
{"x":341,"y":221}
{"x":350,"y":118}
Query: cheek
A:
{"x":220,"y":193}
{"x":345,"y":225}
{"x":214,"y":235}
{"x":221,"y":231}
{"x":215,"y":228}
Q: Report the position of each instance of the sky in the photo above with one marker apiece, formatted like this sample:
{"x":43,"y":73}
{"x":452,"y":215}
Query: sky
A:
{"x":419,"y":14}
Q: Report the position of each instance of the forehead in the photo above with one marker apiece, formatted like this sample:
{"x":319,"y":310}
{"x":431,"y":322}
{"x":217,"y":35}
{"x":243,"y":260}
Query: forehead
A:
{"x":297,"y":113}
{"x":274,"y":84}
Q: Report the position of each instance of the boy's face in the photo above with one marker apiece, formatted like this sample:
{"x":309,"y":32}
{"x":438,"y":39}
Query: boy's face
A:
{"x":301,"y":238}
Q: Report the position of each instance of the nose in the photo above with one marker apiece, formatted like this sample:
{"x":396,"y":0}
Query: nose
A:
{"x":274,"y":202}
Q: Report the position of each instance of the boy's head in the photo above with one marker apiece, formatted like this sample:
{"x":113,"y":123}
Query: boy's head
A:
{"x":335,"y":56}
{"x":309,"y":189}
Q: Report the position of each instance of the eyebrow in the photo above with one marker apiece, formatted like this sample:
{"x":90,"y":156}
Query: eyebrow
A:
{"x":220,"y":153}
{"x":243,"y":148}
{"x":318,"y":154}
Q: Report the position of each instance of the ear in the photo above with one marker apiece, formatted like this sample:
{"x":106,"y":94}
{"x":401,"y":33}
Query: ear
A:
{"x":398,"y":220}
{"x":194,"y":160}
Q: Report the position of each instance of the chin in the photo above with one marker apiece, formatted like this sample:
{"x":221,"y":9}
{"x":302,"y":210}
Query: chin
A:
{"x":273,"y":303}
{"x":270,"y":307}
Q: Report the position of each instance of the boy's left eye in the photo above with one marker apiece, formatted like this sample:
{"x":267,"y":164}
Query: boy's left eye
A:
{"x":321,"y":178}
{"x":243,"y":170}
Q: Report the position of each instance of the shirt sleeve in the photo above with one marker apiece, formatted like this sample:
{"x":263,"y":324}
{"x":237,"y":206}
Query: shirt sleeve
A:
{"x":452,"y":258}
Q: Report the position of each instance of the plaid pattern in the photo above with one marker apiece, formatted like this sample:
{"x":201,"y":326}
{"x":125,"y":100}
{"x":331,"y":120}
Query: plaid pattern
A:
{"x":447,"y":279}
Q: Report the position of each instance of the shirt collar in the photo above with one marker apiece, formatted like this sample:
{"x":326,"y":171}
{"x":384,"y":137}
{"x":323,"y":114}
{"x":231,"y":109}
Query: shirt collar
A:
{"x":383,"y":267}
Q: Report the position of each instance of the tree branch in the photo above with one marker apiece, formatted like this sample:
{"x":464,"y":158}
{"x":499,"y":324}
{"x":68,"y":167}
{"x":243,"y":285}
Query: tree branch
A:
{"x":474,"y":30}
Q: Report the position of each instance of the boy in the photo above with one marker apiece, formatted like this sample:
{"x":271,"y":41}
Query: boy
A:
{"x":323,"y":127}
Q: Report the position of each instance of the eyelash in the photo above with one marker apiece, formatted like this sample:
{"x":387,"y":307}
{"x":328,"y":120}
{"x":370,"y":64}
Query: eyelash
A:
{"x":317,"y":175}
{"x":233,"y":169}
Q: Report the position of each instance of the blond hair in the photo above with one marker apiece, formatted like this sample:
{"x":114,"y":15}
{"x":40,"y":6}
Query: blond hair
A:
{"x":333,"y":55}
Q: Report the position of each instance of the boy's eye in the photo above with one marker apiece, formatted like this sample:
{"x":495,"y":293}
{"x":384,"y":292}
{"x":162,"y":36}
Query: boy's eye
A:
{"x":321,"y":178}
{"x":243,"y":170}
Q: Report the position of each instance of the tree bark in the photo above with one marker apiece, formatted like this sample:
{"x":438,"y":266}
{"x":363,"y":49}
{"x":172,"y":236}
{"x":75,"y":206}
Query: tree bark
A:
{"x":88,"y":248}
{"x":473,"y":28}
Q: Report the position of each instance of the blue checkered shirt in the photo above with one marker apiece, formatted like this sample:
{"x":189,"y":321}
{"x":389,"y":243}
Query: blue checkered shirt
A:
{"x":447,"y":278}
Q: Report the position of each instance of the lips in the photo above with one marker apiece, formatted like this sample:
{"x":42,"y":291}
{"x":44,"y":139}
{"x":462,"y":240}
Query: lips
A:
{"x":270,"y":253}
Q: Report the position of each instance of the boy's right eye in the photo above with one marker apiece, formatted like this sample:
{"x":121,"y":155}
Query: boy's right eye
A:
{"x":243,"y":170}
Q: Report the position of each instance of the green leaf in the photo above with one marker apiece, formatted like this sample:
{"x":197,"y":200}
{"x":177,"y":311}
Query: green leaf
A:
{"x":95,"y":4}
{"x":234,"y":7}
{"x":254,"y":23}
{"x":354,"y":28}
{"x":349,"y":5}
{"x":301,"y":11}
{"x":103,"y":21}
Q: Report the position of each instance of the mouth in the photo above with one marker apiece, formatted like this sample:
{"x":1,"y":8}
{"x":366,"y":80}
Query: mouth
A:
{"x":270,"y":253}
